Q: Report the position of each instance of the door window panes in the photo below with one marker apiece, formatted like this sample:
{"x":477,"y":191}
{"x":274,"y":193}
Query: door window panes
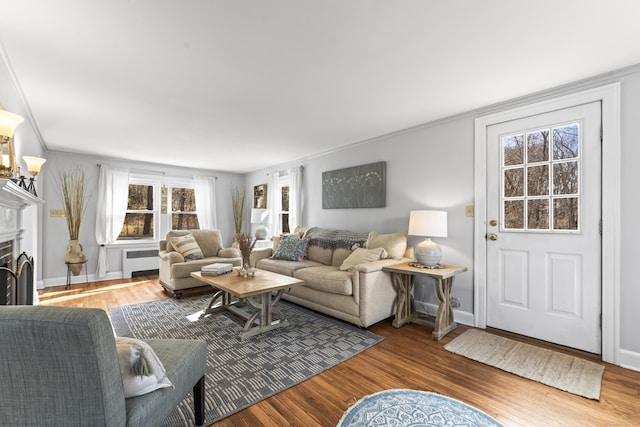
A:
{"x":541,"y":182}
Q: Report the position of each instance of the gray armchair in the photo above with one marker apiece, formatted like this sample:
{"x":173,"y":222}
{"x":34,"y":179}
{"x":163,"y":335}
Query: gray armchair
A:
{"x":60,"y":368}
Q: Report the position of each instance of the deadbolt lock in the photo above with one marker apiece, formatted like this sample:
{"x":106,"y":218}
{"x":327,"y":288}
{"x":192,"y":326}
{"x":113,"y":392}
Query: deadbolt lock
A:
{"x":493,"y":223}
{"x":492,"y":236}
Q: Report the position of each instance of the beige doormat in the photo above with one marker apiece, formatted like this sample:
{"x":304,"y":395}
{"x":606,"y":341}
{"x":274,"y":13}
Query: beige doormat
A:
{"x":568,"y":373}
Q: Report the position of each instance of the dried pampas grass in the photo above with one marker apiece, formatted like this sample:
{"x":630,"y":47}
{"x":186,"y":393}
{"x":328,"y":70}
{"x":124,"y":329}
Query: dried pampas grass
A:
{"x":73,"y":195}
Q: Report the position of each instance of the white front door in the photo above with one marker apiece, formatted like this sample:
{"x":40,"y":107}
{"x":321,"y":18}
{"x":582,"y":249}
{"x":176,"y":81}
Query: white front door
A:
{"x":543,"y":226}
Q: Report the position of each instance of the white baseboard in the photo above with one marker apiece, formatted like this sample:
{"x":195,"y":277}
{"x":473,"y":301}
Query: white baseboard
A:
{"x":80,"y":278}
{"x":462,"y":317}
{"x":630,"y":360}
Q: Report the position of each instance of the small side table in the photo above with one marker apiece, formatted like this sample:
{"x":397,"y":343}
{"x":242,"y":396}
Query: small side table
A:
{"x":403,"y":276}
{"x":84,"y":265}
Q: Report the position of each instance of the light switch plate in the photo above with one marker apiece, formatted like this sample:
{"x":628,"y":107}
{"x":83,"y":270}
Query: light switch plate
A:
{"x":468,"y":210}
{"x":56,"y":213}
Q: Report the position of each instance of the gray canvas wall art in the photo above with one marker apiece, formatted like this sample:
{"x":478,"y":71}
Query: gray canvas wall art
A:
{"x":361,"y":186}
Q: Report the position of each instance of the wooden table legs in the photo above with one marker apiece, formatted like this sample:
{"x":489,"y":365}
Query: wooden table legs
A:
{"x":405,"y":306}
{"x":444,"y":319}
{"x":266,"y":318}
{"x":405,"y":309}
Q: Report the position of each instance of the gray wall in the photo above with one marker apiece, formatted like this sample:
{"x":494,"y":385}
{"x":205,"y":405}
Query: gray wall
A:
{"x":432,"y":166}
{"x":54,"y":232}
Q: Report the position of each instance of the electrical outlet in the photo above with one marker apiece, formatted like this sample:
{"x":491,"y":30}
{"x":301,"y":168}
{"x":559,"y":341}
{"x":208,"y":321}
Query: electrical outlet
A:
{"x":455,"y":302}
{"x":468,"y":210}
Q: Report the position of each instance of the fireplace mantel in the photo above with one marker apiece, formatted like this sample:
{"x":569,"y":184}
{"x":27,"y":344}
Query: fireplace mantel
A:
{"x":13,"y":201}
{"x":13,"y":196}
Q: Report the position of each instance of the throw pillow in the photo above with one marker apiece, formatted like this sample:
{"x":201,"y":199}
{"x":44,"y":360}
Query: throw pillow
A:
{"x":362,"y":255}
{"x":395,"y":244}
{"x":141,"y":370}
{"x":291,"y":248}
{"x":187,"y":246}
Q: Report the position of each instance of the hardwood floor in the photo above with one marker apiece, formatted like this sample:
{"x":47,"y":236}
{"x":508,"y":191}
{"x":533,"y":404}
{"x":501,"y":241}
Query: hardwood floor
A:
{"x":406,"y":358}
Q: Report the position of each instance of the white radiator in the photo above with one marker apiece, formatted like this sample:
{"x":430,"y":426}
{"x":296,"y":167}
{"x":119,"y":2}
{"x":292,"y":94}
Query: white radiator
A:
{"x":139,"y":260}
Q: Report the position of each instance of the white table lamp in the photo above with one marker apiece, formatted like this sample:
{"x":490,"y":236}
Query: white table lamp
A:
{"x":428,"y":224}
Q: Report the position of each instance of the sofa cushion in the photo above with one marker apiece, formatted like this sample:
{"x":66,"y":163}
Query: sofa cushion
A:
{"x":141,"y":370}
{"x":291,"y":248}
{"x":187,"y":246}
{"x":339,"y":255}
{"x":361,"y":255}
{"x":395,"y":244}
{"x":319,"y":254}
{"x":210,"y":241}
{"x":326,"y":279}
{"x":229,"y":253}
{"x":284,"y":267}
{"x":184,"y":269}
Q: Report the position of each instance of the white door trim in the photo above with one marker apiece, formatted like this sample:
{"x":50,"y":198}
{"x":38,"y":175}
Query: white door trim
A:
{"x":609,"y":95}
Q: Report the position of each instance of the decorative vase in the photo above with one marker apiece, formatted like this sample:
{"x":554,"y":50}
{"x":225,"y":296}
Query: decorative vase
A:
{"x":74,"y":257}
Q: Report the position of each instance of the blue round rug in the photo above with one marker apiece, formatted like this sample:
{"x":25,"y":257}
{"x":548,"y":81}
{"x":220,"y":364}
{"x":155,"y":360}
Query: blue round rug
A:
{"x":400,"y":407}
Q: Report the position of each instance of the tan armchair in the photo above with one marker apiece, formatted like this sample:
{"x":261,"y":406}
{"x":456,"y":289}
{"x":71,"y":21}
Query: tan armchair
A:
{"x":179,"y":257}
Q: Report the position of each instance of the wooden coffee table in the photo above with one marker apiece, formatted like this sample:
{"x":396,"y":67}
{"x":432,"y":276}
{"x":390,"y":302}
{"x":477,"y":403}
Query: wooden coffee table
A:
{"x":257,"y":291}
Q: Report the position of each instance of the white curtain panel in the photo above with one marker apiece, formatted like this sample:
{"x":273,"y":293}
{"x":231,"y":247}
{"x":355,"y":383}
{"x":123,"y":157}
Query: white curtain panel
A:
{"x":274,"y":203}
{"x":205,"y":192}
{"x":295,"y":197}
{"x":113,"y":196}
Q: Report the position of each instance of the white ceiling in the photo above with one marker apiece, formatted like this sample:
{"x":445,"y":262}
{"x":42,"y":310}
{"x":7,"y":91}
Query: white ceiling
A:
{"x":240,"y":85}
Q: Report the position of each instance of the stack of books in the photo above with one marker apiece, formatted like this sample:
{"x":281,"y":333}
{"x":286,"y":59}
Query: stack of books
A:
{"x":216,"y":269}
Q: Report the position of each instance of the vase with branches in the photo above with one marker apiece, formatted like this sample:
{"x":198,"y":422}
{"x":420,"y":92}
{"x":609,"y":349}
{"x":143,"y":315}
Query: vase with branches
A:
{"x":73,"y":197}
{"x":238,"y":198}
{"x":246,"y":242}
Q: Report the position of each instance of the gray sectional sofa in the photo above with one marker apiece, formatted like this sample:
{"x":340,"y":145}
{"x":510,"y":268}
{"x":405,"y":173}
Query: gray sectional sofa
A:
{"x":342,"y":271}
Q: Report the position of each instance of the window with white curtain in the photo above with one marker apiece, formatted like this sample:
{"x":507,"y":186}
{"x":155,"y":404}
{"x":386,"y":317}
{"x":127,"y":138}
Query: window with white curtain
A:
{"x":142,"y":217}
{"x":157,"y":205}
{"x":284,"y":195}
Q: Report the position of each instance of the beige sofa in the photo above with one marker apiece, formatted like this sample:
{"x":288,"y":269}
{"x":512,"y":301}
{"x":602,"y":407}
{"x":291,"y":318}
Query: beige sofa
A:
{"x":179,"y":257}
{"x":342,"y":277}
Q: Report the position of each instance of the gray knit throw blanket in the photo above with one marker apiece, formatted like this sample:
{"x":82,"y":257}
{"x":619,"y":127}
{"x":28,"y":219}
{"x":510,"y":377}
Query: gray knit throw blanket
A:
{"x":333,"y":239}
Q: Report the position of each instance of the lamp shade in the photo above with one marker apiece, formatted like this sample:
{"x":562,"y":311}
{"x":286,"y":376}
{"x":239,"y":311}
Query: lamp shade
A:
{"x":428,"y":223}
{"x":34,"y":164}
{"x":258,"y":216}
{"x":8,"y":123}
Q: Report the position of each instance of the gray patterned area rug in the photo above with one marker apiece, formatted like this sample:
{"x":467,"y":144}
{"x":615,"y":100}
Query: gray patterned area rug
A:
{"x":241,"y":373}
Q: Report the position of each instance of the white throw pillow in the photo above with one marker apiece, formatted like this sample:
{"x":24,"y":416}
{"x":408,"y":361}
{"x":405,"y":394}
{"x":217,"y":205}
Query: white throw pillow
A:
{"x":136,"y":357}
{"x":361,"y":255}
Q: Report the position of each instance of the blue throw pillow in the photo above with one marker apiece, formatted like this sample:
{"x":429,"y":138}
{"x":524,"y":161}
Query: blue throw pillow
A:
{"x":291,"y":248}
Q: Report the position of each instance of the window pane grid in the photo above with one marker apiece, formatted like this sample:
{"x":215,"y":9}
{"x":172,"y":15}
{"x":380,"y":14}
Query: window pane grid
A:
{"x":541,"y":184}
{"x":183,"y":209}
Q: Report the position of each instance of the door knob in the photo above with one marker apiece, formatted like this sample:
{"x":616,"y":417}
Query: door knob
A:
{"x":492,"y":236}
{"x":493,"y":223}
